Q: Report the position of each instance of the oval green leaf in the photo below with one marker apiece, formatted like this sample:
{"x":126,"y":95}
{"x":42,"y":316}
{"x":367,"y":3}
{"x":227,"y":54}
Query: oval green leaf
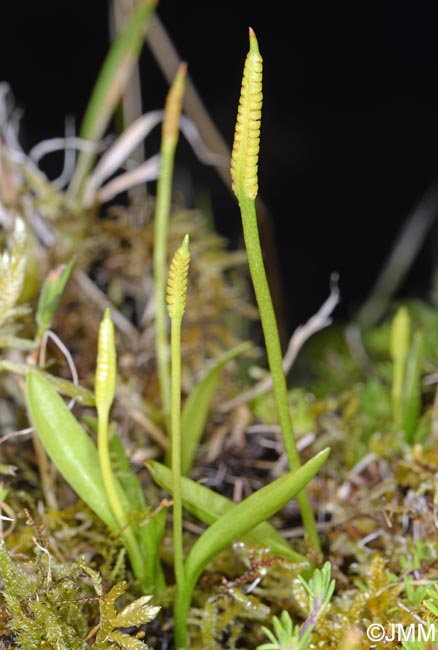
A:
{"x":208,"y":506}
{"x":258,"y":507}
{"x":69,"y":447}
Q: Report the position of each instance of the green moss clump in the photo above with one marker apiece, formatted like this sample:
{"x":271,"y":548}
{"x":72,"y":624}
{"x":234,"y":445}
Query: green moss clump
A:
{"x":48,"y":605}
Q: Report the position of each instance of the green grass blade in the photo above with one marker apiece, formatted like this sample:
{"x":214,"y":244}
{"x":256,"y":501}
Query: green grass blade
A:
{"x":110,"y":85}
{"x":208,"y":506}
{"x":71,"y":450}
{"x":197,"y":406}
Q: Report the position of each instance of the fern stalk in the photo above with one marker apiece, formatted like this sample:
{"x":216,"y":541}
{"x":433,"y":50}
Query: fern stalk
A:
{"x":169,"y":142}
{"x":105,"y":386}
{"x":176,"y":299}
{"x":245,"y":186}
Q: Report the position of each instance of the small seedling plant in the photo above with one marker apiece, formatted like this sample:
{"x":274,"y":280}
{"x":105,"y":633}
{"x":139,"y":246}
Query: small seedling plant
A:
{"x":286,"y":635}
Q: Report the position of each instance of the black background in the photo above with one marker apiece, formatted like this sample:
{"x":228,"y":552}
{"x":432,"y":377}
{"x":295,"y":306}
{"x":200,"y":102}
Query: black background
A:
{"x":350,"y":121}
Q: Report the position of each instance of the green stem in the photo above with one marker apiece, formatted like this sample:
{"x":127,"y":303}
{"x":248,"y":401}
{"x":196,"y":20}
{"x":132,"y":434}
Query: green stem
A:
{"x":181,"y":612}
{"x":164,"y":189}
{"x":273,"y":349}
{"x":106,"y":469}
{"x":176,"y":457}
{"x":170,"y":134}
{"x":110,"y":485}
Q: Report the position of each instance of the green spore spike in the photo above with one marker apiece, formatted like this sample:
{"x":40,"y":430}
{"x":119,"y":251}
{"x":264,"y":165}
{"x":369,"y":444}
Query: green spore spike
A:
{"x":400,"y":335}
{"x":105,"y":382}
{"x":177,"y":281}
{"x":104,"y":388}
{"x":399,"y":342}
{"x":246,"y":146}
{"x":173,"y":107}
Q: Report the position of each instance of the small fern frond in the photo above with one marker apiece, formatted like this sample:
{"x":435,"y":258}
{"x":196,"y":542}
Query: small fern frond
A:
{"x":244,"y":159}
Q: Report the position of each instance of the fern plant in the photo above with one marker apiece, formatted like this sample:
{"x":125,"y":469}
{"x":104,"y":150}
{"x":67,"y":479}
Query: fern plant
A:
{"x":244,"y":164}
{"x":232,"y":524}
